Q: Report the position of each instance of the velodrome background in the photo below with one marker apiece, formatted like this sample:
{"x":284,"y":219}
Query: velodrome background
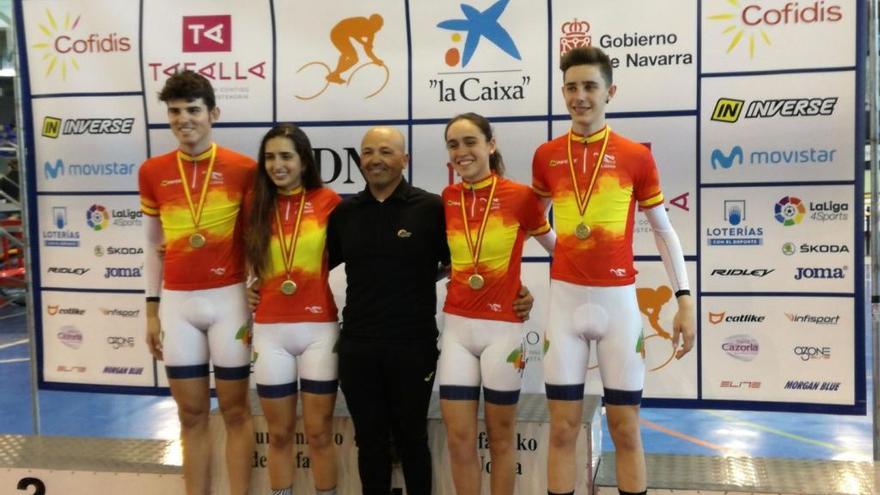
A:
{"x":753,"y":110}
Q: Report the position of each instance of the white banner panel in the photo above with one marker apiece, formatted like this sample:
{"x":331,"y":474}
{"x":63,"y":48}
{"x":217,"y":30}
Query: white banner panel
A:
{"x":342,"y":76}
{"x":52,"y":482}
{"x":95,"y":337}
{"x":778,"y":349}
{"x":781,"y":239}
{"x":666,"y":377}
{"x":777,"y":34}
{"x":789,"y":127}
{"x":100,"y":223}
{"x":230,"y":43}
{"x":81,"y":46}
{"x":89,"y":144}
{"x":652,"y":45}
{"x":486,"y":56}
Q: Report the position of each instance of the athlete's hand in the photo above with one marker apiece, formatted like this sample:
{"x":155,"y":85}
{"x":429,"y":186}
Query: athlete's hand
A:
{"x":683,"y":326}
{"x":154,"y":337}
{"x":522,"y":305}
{"x":253,"y":295}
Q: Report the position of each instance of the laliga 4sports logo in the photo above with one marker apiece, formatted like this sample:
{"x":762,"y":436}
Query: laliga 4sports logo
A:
{"x":64,"y":39}
{"x":480,"y":85}
{"x":749,"y":24}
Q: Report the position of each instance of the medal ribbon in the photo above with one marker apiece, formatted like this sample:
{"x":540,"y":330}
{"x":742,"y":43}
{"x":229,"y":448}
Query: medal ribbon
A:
{"x":196,"y":212}
{"x":584,"y":199}
{"x":475,"y":248}
{"x":288,"y":248}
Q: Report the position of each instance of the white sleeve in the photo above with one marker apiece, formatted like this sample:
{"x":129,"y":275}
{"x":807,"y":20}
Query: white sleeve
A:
{"x":669,"y":247}
{"x":547,"y":240}
{"x":152,"y":260}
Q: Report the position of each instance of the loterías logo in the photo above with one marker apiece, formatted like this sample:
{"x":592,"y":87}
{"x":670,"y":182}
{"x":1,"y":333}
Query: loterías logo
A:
{"x":65,"y":40}
{"x":749,"y":24}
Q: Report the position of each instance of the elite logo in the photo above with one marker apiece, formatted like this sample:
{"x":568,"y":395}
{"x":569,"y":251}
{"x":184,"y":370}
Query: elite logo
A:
{"x":748,"y":23}
{"x":207,"y":33}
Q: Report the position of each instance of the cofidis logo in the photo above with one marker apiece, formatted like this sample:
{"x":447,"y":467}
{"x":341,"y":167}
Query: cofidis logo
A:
{"x":482,"y":30}
{"x":749,"y":25}
{"x":65,"y":41}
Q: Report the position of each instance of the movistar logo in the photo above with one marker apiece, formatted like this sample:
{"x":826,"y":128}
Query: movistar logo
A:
{"x":52,"y":171}
{"x":719,"y":159}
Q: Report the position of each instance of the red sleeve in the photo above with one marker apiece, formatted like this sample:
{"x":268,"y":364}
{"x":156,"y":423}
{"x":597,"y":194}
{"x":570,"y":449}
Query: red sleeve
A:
{"x":149,"y":203}
{"x":539,"y":166}
{"x":646,"y":183}
{"x":531,"y":215}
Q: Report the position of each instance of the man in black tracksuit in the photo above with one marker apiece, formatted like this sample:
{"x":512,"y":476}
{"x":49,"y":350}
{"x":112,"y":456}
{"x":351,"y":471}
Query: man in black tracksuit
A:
{"x":392,"y":239}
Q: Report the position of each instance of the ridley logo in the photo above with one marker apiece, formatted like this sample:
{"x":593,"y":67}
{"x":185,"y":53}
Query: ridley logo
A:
{"x":207,"y":33}
{"x":736,"y":272}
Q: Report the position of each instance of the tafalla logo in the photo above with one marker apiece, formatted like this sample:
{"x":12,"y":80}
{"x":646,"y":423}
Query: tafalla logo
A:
{"x":64,"y":38}
{"x":207,"y":33}
{"x":748,"y":23}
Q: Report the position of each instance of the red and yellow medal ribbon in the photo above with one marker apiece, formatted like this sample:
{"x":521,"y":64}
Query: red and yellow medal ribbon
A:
{"x":584,"y":199}
{"x":288,"y":247}
{"x":475,"y":247}
{"x":195,"y":212}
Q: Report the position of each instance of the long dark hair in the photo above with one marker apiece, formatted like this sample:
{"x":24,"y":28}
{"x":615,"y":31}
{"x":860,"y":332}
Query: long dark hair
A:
{"x":496,"y":162}
{"x":262,"y":208}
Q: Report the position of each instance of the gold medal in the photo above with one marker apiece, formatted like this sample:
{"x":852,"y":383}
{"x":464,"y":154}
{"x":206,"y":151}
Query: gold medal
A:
{"x":288,"y":287}
{"x":197,"y":240}
{"x":476,"y":281}
{"x":582,"y":231}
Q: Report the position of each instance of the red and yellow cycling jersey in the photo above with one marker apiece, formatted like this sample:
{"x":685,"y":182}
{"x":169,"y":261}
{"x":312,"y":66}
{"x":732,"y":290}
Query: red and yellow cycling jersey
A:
{"x":626,"y":176}
{"x":312,"y":301}
{"x":514,"y":212}
{"x":220,"y":261}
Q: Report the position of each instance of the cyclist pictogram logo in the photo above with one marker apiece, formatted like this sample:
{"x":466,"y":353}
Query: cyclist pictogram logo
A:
{"x":363,"y":31}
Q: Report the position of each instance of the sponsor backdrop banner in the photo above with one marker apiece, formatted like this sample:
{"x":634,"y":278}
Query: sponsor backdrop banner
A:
{"x":752,"y":109}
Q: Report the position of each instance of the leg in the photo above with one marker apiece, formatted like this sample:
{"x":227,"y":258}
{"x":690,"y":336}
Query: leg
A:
{"x":233,"y":398}
{"x":565,"y":367}
{"x":409,"y":373}
{"x":623,"y":376}
{"x":500,"y":425}
{"x":460,"y":418}
{"x":193,"y":408}
{"x":565,"y":422}
{"x":458,"y":372}
{"x":502,"y":363}
{"x":231,"y":355}
{"x":281,"y":420}
{"x":629,"y":455}
{"x":364,"y":389}
{"x":319,"y":370}
{"x":318,"y":423}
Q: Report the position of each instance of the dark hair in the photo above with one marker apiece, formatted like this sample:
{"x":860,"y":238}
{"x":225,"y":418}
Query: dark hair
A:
{"x":265,"y":193}
{"x":190,"y":86}
{"x":496,"y":162}
{"x":587,"y":55}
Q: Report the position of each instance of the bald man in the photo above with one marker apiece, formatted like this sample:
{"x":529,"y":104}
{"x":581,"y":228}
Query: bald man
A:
{"x":391,"y":237}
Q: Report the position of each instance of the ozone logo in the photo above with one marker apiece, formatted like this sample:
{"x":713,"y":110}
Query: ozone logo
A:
{"x":789,"y":211}
{"x":97,"y":217}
